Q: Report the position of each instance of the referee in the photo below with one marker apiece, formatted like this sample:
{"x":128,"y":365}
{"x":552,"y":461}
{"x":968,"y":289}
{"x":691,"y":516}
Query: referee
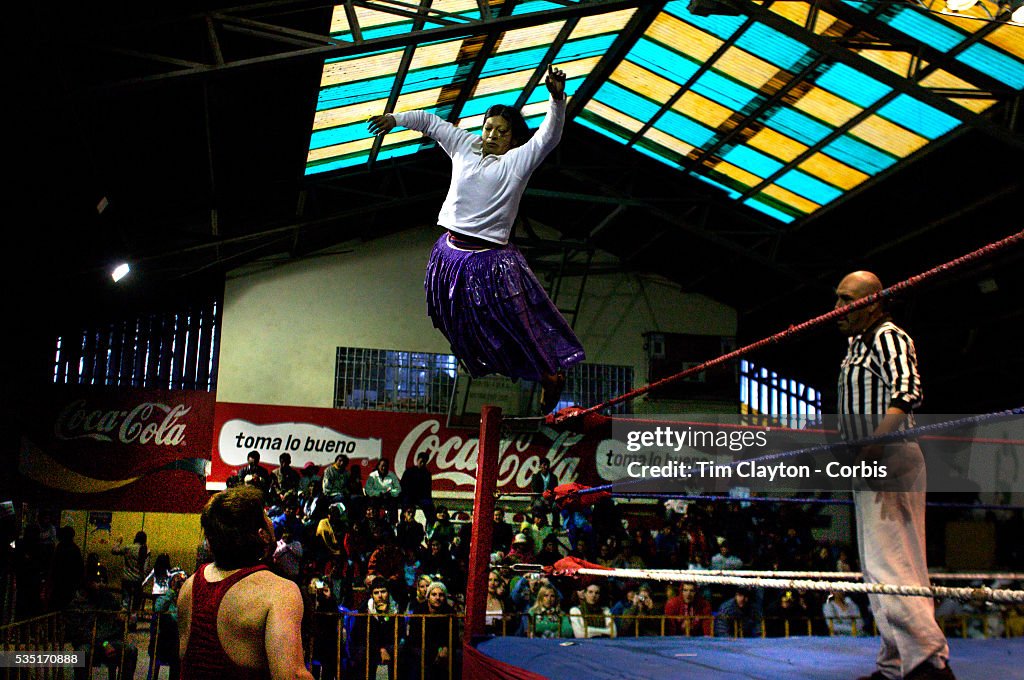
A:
{"x":879,"y":386}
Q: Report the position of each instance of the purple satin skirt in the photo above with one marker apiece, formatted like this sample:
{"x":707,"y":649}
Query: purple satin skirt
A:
{"x":496,"y":314}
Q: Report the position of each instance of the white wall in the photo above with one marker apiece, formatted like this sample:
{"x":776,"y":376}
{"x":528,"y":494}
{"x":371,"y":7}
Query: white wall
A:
{"x":282,"y":325}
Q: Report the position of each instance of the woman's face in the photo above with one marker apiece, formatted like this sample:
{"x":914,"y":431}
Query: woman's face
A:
{"x":497,"y":135}
{"x":435,"y":599}
{"x":548,"y":598}
{"x":493,"y":581}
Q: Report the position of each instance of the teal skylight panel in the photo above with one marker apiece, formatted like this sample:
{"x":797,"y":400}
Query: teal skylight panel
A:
{"x":586,"y":47}
{"x":684,"y":128}
{"x":801,"y":183}
{"x":769,"y":210}
{"x":995,"y":63}
{"x":723,"y":90}
{"x":797,"y":125}
{"x":936,"y":33}
{"x":337,"y":135}
{"x":629,"y":103}
{"x":665,"y":62}
{"x":531,"y":6}
{"x":917,"y":116}
{"x":752,"y":160}
{"x":720,"y":25}
{"x":377,"y":88}
{"x":859,"y":155}
{"x":772,"y":46}
{"x":852,"y":85}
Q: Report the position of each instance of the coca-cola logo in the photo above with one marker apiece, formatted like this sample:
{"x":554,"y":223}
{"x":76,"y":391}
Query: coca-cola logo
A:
{"x":455,"y":458}
{"x":150,"y":422}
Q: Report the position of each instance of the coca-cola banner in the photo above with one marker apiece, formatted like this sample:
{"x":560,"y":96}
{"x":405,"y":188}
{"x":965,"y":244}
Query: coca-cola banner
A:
{"x":318,"y":435}
{"x":115,"y":449}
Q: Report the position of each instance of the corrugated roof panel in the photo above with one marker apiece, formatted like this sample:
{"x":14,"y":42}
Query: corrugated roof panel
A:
{"x":897,"y":62}
{"x":888,"y":136}
{"x":1008,"y":38}
{"x":794,"y":11}
{"x":851,"y":85}
{"x":503,"y":82}
{"x":426,"y":100}
{"x":777,"y":144}
{"x":767,"y":206}
{"x":421,"y":79}
{"x":724,"y":90}
{"x":352,"y":70}
{"x":721,"y":25}
{"x":773,"y":46}
{"x":598,"y":24}
{"x":746,"y":68}
{"x":789,"y":198}
{"x":811,"y":188}
{"x":343,"y":115}
{"x":995,"y":63}
{"x":855,"y":153}
{"x":684,"y":128}
{"x":794,"y":124}
{"x":663,"y":61}
{"x":976,"y":105}
{"x":683,"y":37}
{"x":743,"y":179}
{"x":702,"y":109}
{"x":401,"y":136}
{"x":638,"y":79}
{"x":531,"y":36}
{"x":752,"y":160}
{"x":628,"y":102}
{"x":340,"y":134}
{"x":840,"y":174}
{"x":614,"y":115}
{"x":667,"y":141}
{"x":915,"y":114}
{"x":827,"y":107}
{"x":930,"y":31}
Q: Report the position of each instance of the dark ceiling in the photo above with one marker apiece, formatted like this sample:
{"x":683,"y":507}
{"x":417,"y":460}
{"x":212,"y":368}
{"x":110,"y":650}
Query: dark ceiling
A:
{"x":203,"y":172}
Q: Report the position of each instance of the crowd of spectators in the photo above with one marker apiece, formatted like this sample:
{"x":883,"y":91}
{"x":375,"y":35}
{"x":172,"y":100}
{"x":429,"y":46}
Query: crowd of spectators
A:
{"x":382,"y":548}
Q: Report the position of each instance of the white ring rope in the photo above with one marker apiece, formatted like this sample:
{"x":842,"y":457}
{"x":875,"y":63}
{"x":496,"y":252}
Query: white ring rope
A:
{"x":981,"y":593}
{"x":937,"y":576}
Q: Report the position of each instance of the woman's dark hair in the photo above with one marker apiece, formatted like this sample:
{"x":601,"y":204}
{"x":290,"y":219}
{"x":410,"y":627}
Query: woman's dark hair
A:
{"x":140,"y":538}
{"x":232,"y":521}
{"x":161,"y":566}
{"x":520,"y":131}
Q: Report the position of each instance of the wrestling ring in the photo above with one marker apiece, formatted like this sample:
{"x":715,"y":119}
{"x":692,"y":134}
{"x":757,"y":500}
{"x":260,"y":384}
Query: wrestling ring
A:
{"x":715,"y":657}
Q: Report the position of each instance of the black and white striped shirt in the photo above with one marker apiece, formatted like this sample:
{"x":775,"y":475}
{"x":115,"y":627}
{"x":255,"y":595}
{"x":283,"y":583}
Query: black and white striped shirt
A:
{"x":879,"y":371}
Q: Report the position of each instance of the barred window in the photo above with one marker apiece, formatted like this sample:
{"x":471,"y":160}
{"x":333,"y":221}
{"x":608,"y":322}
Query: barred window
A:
{"x":764,"y":392}
{"x":392,"y":380}
{"x":590,"y":384}
{"x":174,"y":349}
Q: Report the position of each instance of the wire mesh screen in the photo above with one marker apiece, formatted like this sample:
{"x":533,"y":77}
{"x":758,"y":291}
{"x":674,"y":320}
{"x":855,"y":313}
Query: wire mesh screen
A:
{"x":391,"y":380}
{"x":422,"y":382}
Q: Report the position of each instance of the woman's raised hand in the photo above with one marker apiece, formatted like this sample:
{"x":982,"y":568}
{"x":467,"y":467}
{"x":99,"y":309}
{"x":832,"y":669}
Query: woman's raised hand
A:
{"x":555,"y":80}
{"x":381,"y":125}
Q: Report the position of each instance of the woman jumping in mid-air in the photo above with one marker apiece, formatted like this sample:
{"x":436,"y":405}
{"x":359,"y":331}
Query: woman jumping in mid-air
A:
{"x":480,"y":292}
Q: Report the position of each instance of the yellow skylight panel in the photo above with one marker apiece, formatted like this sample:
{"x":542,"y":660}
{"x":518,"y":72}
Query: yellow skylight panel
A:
{"x":826,"y":107}
{"x":437,"y":54}
{"x":359,"y":145}
{"x":345,"y":115}
{"x":703,"y":109}
{"x":794,"y":11}
{"x":413,"y":101}
{"x":668,"y":141}
{"x":638,"y":79}
{"x":683,"y":37}
{"x":746,"y":68}
{"x":744,"y":177}
{"x":532,"y":36}
{"x":832,"y":171}
{"x":888,"y":136}
{"x":775,"y":144}
{"x":502,"y":83}
{"x":613,"y":115}
{"x":1008,"y":38}
{"x":897,"y":62}
{"x":599,"y":24}
{"x":336,"y":73}
{"x":789,"y":198}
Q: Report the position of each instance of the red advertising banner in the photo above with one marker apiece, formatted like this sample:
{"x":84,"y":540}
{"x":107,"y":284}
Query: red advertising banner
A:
{"x":319,"y":434}
{"x":95,"y":448}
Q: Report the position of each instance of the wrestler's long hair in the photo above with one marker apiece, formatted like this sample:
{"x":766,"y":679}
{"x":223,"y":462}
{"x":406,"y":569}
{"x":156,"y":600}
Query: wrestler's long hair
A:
{"x":520,"y":130}
{"x":235,"y":526}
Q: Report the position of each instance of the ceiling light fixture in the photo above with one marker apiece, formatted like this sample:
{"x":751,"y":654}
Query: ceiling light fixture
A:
{"x":960,"y":5}
{"x":1016,"y":10}
{"x":120,"y":271}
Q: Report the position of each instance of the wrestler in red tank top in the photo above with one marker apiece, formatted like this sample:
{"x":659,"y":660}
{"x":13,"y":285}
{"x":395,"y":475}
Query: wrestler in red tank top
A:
{"x":205,"y":658}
